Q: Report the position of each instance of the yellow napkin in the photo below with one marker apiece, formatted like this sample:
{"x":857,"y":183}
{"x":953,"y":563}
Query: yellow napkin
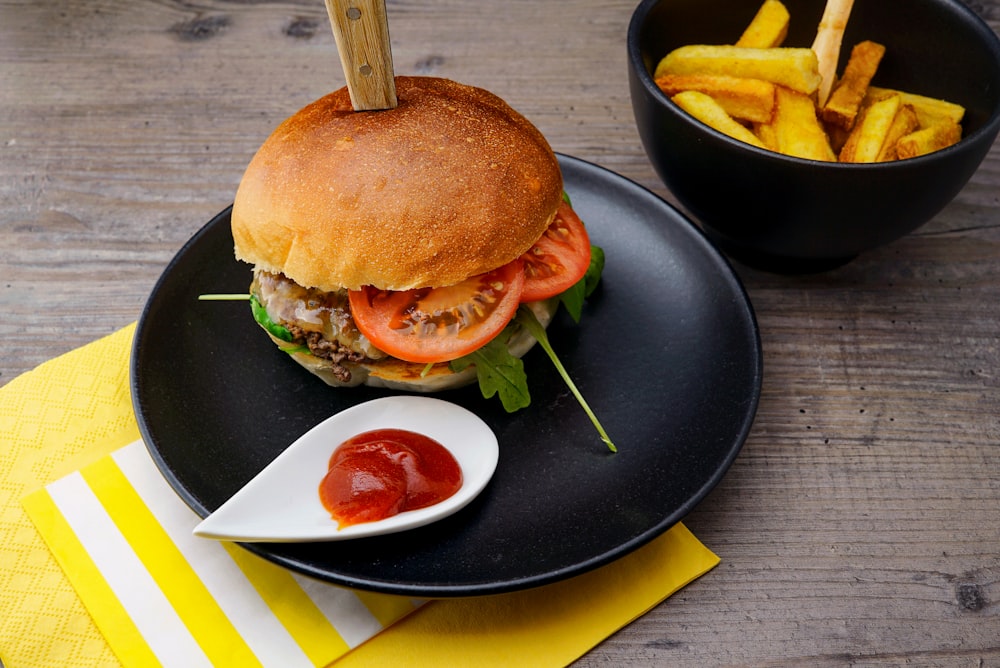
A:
{"x":69,"y":422}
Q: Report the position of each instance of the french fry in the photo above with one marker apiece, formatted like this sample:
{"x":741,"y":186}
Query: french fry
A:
{"x":767,"y":133}
{"x":746,"y":99}
{"x":789,"y":100}
{"x":841,"y":109}
{"x":837,"y":135}
{"x":903,"y":124}
{"x":768,"y":28}
{"x":829,"y":36}
{"x":711,"y":113}
{"x":790,"y":67}
{"x":927,"y":140}
{"x":930,"y":111}
{"x":866,"y":140}
{"x":795,"y":129}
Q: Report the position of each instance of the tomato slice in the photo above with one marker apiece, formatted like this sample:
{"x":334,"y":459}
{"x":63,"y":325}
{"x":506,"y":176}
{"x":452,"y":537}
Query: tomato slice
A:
{"x":558,"y":259}
{"x":439,"y":324}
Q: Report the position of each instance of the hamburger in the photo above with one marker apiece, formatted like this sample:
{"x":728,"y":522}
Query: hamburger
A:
{"x":389,"y":248}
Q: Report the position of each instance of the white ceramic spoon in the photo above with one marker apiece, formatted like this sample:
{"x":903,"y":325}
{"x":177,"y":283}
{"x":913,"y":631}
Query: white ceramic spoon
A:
{"x":282,"y":504}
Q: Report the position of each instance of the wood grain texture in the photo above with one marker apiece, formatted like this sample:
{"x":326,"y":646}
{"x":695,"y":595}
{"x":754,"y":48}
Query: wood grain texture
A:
{"x":361,"y":31}
{"x":860,"y":525}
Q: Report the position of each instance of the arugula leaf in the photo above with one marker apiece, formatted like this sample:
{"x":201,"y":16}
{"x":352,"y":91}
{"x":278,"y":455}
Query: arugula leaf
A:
{"x":593,"y":276}
{"x":527,"y":318}
{"x":264,"y":320}
{"x":227,"y":297}
{"x":574,"y":297}
{"x":261,"y":316}
{"x":498,"y":372}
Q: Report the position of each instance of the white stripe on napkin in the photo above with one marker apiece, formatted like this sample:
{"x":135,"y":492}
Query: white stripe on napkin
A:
{"x":152,"y":613}
{"x":344,"y":609}
{"x":261,"y":630}
{"x":242,"y":585}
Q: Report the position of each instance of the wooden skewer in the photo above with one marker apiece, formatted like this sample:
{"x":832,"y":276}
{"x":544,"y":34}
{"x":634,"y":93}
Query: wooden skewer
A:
{"x":829,"y":36}
{"x":361,"y":30}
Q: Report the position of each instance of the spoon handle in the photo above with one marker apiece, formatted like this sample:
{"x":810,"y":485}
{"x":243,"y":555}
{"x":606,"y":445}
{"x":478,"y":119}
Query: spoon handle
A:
{"x":361,"y":30}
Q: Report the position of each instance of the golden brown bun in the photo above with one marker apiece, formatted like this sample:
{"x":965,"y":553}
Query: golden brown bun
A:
{"x":396,"y":374}
{"x":451,"y":183}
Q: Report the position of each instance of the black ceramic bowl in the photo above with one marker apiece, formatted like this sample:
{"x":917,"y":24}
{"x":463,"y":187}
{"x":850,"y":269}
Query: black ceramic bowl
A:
{"x":792,"y":215}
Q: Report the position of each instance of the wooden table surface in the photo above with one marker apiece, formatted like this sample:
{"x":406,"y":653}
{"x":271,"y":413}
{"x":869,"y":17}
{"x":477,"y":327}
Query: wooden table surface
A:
{"x":859,"y":525}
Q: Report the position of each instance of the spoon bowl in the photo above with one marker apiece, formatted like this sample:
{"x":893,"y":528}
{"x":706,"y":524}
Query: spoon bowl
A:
{"x":282,"y":503}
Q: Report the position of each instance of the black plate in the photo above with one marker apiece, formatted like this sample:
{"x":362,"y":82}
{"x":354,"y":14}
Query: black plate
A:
{"x":667,"y":353}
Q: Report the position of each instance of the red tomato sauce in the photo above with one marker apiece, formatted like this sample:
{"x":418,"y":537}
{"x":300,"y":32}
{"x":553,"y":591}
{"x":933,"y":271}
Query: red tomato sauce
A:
{"x":384,"y":472}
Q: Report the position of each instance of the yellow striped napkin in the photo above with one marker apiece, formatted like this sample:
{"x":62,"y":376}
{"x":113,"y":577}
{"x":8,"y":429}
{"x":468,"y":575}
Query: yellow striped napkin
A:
{"x":163,"y":596}
{"x":122,"y":551}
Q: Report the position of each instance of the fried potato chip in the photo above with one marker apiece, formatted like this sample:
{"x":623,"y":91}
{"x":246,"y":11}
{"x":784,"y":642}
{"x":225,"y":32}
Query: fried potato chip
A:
{"x":930,"y":111}
{"x":903,"y":124}
{"x":838,"y":137}
{"x":927,"y":140}
{"x":746,"y":99}
{"x":768,"y":135}
{"x":841,"y":109}
{"x":866,"y":140}
{"x":795,"y":129}
{"x":711,"y":113}
{"x":768,"y":28}
{"x":789,"y":100}
{"x":790,"y":67}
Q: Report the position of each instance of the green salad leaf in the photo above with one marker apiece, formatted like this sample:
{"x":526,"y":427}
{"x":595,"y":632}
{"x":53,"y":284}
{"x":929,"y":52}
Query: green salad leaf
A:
{"x":264,"y":320}
{"x":573,"y":298}
{"x":498,"y":372}
{"x":527,"y":318}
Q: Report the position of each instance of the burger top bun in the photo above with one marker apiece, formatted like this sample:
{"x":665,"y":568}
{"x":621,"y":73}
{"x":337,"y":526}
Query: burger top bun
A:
{"x":451,"y":183}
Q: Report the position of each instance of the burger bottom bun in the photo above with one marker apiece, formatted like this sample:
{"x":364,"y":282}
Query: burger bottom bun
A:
{"x":396,"y":374}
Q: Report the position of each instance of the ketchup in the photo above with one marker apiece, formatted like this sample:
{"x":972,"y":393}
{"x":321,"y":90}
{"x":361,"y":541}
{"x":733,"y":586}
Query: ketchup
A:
{"x":380,"y":473}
